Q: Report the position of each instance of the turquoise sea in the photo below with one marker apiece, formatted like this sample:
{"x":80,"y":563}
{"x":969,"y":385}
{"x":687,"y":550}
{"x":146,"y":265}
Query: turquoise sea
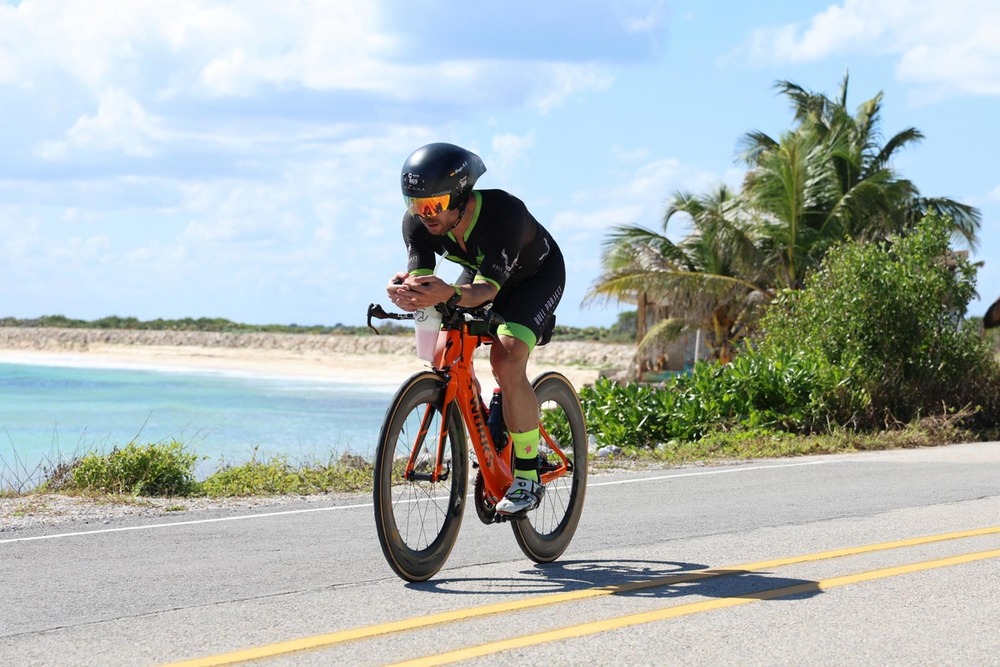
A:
{"x":53,"y":413}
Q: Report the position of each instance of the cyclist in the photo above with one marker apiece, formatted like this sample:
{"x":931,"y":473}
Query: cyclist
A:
{"x":507,"y":258}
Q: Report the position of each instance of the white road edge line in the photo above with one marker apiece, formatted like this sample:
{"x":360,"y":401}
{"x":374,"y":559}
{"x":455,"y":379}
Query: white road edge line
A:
{"x":711,"y":472}
{"x":194,"y":522}
{"x":243,"y":517}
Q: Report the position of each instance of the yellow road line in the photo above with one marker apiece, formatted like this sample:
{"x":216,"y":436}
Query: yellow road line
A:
{"x":333,"y":638}
{"x":686,"y":610}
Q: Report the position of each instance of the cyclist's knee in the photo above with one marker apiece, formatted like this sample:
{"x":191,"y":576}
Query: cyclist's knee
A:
{"x":509,"y":358}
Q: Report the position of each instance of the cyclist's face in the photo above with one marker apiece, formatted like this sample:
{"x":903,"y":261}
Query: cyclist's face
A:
{"x":441,"y":223}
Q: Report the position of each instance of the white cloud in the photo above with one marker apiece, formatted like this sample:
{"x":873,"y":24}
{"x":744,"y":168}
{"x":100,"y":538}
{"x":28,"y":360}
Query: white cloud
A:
{"x":101,"y":42}
{"x":120,"y":125}
{"x":188,"y":48}
{"x":948,"y":47}
{"x":97,"y":43}
{"x":630,"y":155}
{"x":641,"y":200}
{"x":20,"y":235}
{"x":76,"y":253}
{"x":32,"y":255}
{"x":507,"y":152}
{"x":559,"y":81}
{"x":637,"y":23}
{"x":316,"y":45}
{"x":239,"y":214}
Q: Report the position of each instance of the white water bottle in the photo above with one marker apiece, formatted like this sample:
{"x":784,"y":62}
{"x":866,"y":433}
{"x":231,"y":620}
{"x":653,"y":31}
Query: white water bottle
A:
{"x":427,"y":322}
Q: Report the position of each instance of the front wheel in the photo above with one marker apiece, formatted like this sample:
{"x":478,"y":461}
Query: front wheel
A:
{"x":545,"y":532}
{"x":420,"y":479}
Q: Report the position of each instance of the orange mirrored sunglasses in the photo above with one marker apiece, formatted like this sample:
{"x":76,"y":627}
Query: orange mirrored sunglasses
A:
{"x":427,"y":207}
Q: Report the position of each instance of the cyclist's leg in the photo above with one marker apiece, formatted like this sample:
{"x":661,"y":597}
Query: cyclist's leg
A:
{"x":527,"y":309}
{"x":509,"y":358}
{"x":545,"y":533}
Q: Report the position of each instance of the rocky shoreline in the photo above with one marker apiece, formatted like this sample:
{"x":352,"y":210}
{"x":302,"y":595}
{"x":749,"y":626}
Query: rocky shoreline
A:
{"x":52,"y":339}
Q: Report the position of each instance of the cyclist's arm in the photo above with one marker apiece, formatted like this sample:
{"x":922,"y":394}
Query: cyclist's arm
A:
{"x":423,"y":291}
{"x":476,"y":293}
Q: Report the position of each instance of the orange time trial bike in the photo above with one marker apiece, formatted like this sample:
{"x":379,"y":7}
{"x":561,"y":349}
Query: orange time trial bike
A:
{"x":422,"y":464}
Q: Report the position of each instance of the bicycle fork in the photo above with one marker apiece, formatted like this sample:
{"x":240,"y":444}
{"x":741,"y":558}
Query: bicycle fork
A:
{"x":441,"y":469}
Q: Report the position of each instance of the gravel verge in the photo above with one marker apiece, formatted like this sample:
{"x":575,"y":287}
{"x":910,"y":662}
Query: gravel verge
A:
{"x":57,"y":510}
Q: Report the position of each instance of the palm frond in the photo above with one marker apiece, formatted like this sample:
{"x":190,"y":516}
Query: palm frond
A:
{"x":899,"y":140}
{"x":753,"y":145}
{"x":663,"y":333}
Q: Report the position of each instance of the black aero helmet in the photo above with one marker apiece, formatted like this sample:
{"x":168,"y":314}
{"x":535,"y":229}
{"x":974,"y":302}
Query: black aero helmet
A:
{"x":438,"y":177}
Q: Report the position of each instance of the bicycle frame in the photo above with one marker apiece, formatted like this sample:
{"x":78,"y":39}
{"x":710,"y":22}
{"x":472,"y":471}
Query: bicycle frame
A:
{"x":423,"y":463}
{"x":453,"y":362}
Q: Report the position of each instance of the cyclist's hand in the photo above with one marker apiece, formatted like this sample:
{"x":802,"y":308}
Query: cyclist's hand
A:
{"x":418,"y":292}
{"x":395,"y":289}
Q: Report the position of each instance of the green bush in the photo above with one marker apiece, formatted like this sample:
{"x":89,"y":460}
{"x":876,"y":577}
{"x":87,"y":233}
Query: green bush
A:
{"x":893,"y":314}
{"x":147,"y":470}
{"x":168,"y":470}
{"x":272,"y":477}
{"x":628,"y":415}
{"x":278,"y":476}
{"x":795,"y":391}
{"x":784,"y":392}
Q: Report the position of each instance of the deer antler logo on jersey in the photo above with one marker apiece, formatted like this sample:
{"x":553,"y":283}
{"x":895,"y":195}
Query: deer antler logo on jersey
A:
{"x":548,"y":249}
{"x":508,"y":264}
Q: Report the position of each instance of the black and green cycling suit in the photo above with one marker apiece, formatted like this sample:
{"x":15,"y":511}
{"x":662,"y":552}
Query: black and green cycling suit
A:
{"x":505,"y":246}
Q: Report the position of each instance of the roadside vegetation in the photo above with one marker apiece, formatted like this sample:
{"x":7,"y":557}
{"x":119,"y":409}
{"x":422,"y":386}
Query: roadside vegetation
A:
{"x":833,"y":306}
{"x":870,"y":352}
{"x":169,"y":470}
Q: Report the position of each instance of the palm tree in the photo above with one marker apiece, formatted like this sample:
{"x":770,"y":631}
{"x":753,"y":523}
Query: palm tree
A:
{"x":848,"y":189}
{"x":825,"y":181}
{"x":785,"y":199}
{"x":704,"y":282}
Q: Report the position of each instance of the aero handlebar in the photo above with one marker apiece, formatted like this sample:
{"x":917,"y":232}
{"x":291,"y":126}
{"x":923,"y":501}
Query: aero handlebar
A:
{"x":451,"y":316}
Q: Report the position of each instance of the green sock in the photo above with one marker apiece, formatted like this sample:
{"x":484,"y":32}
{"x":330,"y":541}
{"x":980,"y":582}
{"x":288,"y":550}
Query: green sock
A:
{"x":526,"y":449}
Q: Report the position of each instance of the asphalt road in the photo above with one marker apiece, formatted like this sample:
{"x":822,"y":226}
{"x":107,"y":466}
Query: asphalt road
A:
{"x":889,"y":558}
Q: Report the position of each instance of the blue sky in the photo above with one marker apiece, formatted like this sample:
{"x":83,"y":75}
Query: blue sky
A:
{"x":241,"y":159}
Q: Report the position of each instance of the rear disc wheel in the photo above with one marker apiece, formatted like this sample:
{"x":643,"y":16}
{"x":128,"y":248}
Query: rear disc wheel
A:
{"x":545,"y":532}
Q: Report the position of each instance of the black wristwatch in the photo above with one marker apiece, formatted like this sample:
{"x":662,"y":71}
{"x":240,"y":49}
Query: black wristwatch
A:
{"x":456,"y":297}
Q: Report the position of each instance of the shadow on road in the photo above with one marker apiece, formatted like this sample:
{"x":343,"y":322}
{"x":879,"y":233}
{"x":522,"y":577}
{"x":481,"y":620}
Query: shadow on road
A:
{"x":638,"y":578}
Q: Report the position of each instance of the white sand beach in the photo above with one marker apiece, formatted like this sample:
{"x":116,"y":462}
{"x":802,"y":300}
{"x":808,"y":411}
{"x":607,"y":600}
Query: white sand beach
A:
{"x":354,"y":359}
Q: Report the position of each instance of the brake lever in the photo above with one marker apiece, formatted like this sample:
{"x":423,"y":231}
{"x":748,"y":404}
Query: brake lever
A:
{"x":377,"y":311}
